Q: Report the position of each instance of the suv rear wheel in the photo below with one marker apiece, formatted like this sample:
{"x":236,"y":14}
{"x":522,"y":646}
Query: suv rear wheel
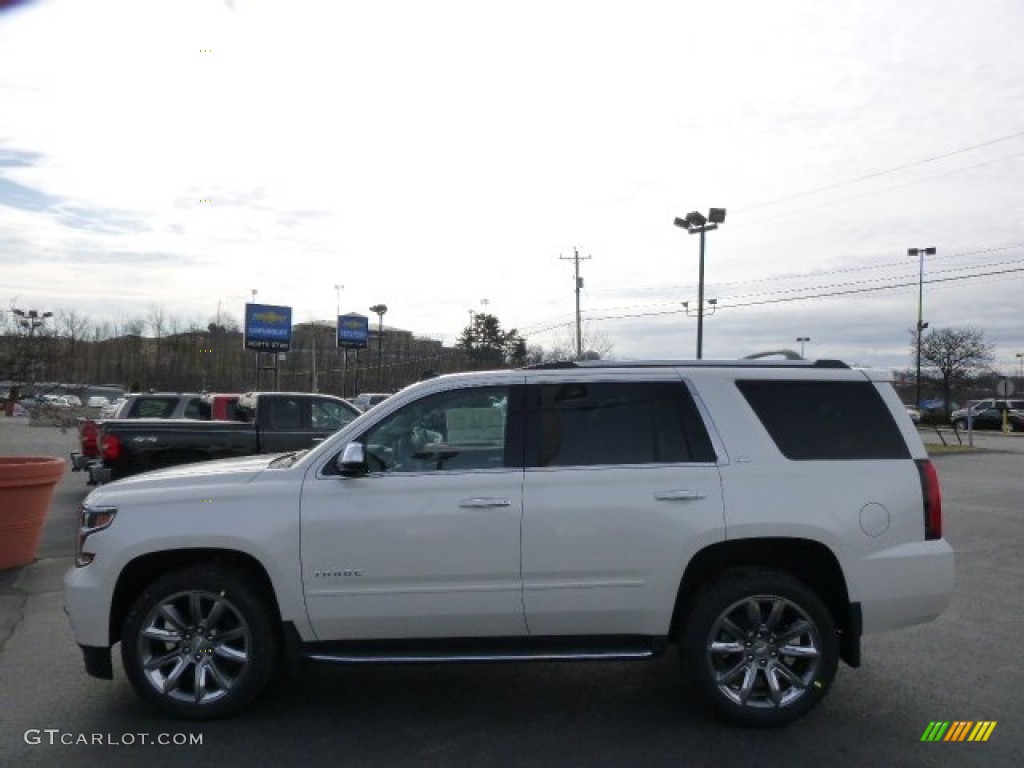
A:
{"x":760,"y":646}
{"x":198,"y":643}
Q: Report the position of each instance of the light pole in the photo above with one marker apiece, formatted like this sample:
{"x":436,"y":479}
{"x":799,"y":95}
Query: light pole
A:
{"x":802,"y":340}
{"x":1020,"y":356}
{"x":30,"y":319}
{"x":921,"y":325}
{"x":379,"y":310}
{"x":695,"y":223}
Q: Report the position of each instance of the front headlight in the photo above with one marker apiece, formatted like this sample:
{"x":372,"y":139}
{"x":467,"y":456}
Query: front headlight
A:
{"x":91,"y":520}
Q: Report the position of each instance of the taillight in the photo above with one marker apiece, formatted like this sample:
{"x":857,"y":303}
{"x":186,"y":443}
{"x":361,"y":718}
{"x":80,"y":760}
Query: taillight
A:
{"x":111,"y":447}
{"x":932,"y":499}
{"x":89,"y":435}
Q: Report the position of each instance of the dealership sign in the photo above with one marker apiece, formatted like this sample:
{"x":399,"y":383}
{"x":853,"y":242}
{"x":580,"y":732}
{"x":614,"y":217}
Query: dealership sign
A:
{"x":353,"y":331}
{"x":268,"y":328}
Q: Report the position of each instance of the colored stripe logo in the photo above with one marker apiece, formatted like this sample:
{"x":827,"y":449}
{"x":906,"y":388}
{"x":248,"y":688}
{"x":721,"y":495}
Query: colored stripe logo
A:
{"x":959,"y":730}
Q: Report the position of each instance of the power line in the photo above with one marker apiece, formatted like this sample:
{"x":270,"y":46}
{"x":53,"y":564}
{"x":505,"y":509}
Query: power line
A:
{"x":542,"y":327}
{"x":884,"y":172}
{"x":786,"y":299}
{"x":869,"y":193}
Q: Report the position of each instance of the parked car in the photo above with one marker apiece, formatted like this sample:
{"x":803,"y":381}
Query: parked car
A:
{"x":111,"y":408}
{"x":268,"y":422}
{"x":367,"y":400}
{"x":992,"y":418}
{"x":97,"y":401}
{"x":988,"y":414}
{"x":913,"y":413}
{"x":759,"y":516}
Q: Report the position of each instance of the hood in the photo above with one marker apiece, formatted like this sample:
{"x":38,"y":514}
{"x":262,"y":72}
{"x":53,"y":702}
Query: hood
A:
{"x":238,"y":470}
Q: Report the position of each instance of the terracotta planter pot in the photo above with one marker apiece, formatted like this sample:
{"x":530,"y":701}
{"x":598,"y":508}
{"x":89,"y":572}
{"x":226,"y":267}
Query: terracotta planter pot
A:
{"x":26,"y":489}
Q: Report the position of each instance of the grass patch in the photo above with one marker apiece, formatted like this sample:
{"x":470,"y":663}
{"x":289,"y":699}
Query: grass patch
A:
{"x":937,"y":449}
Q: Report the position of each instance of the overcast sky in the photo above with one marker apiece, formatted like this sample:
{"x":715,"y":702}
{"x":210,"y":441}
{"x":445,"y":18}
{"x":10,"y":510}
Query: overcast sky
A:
{"x":434,"y":156}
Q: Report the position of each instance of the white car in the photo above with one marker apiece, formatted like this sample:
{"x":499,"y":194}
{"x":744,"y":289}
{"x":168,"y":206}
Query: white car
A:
{"x":110,"y":409}
{"x":97,"y":401}
{"x":760,"y":516}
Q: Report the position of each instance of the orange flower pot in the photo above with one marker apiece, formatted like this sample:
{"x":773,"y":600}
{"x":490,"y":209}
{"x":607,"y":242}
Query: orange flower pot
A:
{"x":26,"y":490}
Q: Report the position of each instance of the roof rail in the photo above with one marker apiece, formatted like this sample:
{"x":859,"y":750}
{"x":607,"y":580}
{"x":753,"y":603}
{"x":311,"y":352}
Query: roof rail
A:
{"x":743,"y":363}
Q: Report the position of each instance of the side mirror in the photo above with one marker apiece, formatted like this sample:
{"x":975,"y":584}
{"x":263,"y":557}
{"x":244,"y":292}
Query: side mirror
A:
{"x":352,"y":461}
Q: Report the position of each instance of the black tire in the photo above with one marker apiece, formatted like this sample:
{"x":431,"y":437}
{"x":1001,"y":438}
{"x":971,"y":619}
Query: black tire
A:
{"x":199,"y":643}
{"x":735,"y":642}
{"x":960,"y":424}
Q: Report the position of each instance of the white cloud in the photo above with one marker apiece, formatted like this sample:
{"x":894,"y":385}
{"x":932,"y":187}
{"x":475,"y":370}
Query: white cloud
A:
{"x":431,"y":155}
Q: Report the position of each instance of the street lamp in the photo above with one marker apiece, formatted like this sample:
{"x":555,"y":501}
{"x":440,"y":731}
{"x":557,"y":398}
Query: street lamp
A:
{"x":30,"y":319}
{"x":1020,"y":356}
{"x":921,"y":325}
{"x":695,"y":223}
{"x":379,"y":310}
{"x":802,"y":340}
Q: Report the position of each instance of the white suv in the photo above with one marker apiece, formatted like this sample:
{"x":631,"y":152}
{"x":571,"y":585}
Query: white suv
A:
{"x":759,"y":515}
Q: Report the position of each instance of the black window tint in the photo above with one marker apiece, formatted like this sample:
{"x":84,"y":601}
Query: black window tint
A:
{"x":154,"y":408}
{"x":194,"y":409}
{"x":586,"y":424}
{"x":820,"y":420}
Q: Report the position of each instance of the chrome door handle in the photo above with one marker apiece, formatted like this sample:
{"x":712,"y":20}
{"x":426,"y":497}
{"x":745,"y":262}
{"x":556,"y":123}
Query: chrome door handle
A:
{"x":681,"y":495}
{"x":484,"y":503}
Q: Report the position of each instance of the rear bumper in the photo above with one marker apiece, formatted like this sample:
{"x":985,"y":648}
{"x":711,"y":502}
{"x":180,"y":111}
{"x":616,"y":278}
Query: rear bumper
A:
{"x":80,"y":462}
{"x":906,"y":585}
{"x":98,"y":474}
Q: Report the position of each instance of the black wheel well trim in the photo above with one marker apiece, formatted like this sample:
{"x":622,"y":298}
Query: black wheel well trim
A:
{"x":141,"y":572}
{"x":809,"y":561}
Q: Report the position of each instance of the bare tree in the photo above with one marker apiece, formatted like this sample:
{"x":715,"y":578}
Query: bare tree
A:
{"x":958,"y":355}
{"x":74,"y":328}
{"x":596,"y":345}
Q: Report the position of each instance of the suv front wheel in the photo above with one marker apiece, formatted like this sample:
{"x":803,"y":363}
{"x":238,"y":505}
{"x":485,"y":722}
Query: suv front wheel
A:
{"x":198,"y":643}
{"x":760,"y":646}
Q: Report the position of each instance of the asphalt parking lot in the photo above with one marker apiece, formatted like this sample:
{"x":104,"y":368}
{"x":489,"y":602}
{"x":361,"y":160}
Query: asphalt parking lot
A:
{"x":963,"y":667}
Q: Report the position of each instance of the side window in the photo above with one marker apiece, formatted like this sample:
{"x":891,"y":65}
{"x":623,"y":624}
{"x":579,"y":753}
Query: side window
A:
{"x":823,"y":420}
{"x":154,"y":408}
{"x":284,"y":414}
{"x":602,"y":423}
{"x":459,"y":430}
{"x":329,"y":415}
{"x":193,"y":409}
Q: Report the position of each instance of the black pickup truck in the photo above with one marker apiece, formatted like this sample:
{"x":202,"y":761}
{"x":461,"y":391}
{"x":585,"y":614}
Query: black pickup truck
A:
{"x":268,"y":422}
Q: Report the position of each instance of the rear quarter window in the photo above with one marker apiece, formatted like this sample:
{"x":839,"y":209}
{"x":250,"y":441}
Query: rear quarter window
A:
{"x":154,"y":407}
{"x":826,"y":420}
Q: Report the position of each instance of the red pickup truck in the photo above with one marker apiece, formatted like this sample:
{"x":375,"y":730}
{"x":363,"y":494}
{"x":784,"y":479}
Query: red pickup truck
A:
{"x":152,"y":405}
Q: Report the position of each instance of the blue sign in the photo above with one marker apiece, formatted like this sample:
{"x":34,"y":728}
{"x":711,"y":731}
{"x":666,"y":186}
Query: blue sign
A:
{"x":268,"y":328}
{"x":353,"y":331}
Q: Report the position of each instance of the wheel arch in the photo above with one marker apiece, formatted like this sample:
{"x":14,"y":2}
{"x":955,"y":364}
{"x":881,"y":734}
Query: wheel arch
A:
{"x":145,"y":569}
{"x":810,"y":561}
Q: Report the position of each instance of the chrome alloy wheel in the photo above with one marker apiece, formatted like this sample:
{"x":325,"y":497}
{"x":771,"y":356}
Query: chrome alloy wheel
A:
{"x":764,"y":652}
{"x":194,"y":646}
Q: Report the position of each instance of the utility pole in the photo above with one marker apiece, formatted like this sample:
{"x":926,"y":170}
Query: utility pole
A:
{"x":576,"y":259}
